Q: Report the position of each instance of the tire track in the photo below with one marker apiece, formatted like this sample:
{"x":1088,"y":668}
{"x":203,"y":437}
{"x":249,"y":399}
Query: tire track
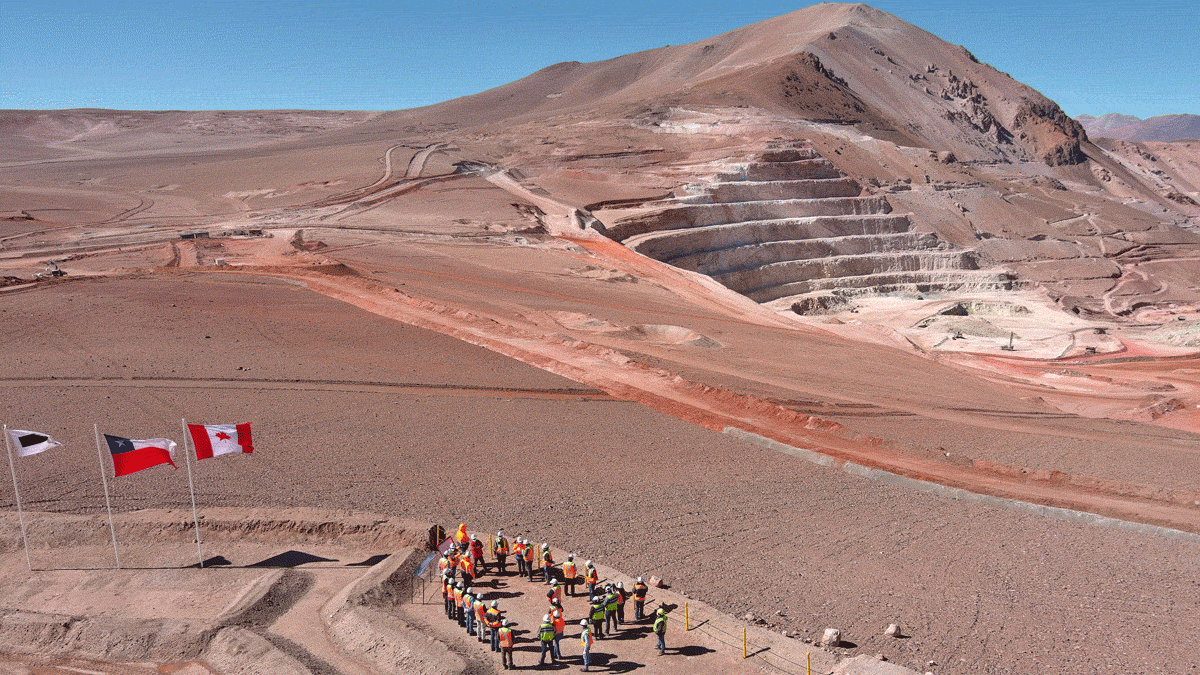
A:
{"x":584,"y":394}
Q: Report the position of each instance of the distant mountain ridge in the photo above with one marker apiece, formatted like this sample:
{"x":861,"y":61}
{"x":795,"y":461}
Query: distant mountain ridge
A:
{"x":1131,"y":128}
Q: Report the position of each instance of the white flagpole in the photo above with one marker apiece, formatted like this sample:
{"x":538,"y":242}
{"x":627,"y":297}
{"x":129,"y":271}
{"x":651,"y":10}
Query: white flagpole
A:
{"x":196,"y":519}
{"x":107,"y":503}
{"x":13,"y":468}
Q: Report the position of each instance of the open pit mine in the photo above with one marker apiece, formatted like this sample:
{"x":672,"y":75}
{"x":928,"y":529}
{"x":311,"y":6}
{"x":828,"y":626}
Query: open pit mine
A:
{"x":866,"y":353}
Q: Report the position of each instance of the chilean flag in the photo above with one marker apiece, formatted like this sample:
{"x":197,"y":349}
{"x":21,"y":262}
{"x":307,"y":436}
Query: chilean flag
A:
{"x":212,"y":440}
{"x":130,"y":456}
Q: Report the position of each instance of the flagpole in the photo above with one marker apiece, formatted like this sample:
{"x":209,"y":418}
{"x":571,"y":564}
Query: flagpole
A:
{"x":104,"y":479}
{"x":196,"y":519}
{"x":12,"y":467}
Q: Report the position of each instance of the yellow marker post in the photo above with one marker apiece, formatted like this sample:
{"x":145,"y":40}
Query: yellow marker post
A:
{"x":743,"y":643}
{"x":808,"y":660}
{"x":687,"y":624}
{"x":492,"y":546}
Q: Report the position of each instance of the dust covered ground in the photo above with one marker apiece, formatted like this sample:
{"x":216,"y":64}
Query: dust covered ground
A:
{"x":352,"y":411}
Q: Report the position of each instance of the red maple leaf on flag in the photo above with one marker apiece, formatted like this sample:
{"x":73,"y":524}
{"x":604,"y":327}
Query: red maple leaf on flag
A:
{"x":223,"y":436}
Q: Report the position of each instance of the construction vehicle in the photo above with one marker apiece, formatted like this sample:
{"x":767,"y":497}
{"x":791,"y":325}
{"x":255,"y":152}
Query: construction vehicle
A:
{"x":51,"y":271}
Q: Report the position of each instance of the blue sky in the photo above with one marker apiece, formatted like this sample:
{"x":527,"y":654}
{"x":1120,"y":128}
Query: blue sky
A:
{"x":1137,"y":58}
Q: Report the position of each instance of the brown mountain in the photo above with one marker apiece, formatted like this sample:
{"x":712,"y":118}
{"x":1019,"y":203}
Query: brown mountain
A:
{"x":1129,"y":128}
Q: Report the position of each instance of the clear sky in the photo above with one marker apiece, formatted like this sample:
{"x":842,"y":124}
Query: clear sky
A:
{"x":1139,"y":58}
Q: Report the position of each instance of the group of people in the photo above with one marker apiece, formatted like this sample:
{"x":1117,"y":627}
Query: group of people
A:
{"x":463,"y":563}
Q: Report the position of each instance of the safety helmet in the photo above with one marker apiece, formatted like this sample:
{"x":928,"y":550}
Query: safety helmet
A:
{"x":554,"y":582}
{"x":493,"y":603}
{"x":620,"y":584}
{"x":474,"y":537}
{"x":570,"y":556}
{"x":587,"y":563}
{"x":471,"y":590}
{"x":583,"y":623}
{"x":639,"y":580}
{"x":504,"y":622}
{"x":499,"y":533}
{"x":460,"y":584}
{"x":545,"y":617}
{"x":557,"y":613}
{"x":661,"y":611}
{"x":545,"y":546}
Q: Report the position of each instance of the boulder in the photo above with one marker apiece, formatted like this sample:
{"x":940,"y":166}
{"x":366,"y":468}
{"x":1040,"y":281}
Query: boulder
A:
{"x":832,"y":637}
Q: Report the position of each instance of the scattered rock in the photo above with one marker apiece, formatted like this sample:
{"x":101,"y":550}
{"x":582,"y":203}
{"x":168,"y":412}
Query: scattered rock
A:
{"x":656,"y":582}
{"x":832,"y":637}
{"x":893,"y":630}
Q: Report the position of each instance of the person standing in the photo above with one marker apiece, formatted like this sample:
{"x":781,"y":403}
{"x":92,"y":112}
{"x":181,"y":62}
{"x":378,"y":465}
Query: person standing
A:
{"x":568,"y":572}
{"x":494,"y":623}
{"x":590,"y":577}
{"x":639,"y":600}
{"x":519,"y":554}
{"x":529,"y":558}
{"x":500,"y":550}
{"x":585,"y":643}
{"x":560,"y":625}
{"x":480,"y":617}
{"x":468,"y":609}
{"x":622,"y":596}
{"x":467,"y":566}
{"x":546,"y":635}
{"x":597,"y":616}
{"x":477,"y":555}
{"x":547,"y":563}
{"x":506,"y":645}
{"x":458,"y":604}
{"x":660,"y":630}
{"x":448,"y":596}
{"x":611,"y":625}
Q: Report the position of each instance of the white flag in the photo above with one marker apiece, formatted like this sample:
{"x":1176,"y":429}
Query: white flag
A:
{"x":30,"y":442}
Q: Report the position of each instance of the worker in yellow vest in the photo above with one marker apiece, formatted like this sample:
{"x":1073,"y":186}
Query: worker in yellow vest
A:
{"x":585,"y":643}
{"x":547,"y":563}
{"x":569,"y":572}
{"x":506,"y":645}
{"x":597,"y":616}
{"x":500,"y":550}
{"x":546,"y":635}
{"x":660,"y":630}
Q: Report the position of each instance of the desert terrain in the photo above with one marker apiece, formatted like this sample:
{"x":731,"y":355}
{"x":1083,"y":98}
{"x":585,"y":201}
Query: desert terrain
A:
{"x":822,"y":321}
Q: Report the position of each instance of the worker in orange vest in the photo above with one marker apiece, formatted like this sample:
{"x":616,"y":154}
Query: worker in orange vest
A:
{"x":480,"y":616}
{"x":639,"y":600}
{"x":560,"y":625}
{"x":519,"y":554}
{"x":622,"y":596}
{"x":458,"y":603}
{"x":492,"y":621}
{"x":468,"y":569}
{"x":460,"y":537}
{"x":448,"y":595}
{"x":555,"y":593}
{"x":590,"y":577}
{"x":529,"y":558}
{"x":506,"y":645}
{"x":568,"y":572}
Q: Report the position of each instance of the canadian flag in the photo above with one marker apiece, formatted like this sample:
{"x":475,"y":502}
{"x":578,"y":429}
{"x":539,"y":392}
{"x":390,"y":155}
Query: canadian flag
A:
{"x":211,"y":440}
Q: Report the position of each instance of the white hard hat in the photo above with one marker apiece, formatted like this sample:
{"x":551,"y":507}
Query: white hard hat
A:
{"x":474,"y":537}
{"x":639,"y":580}
{"x":545,"y":617}
{"x":587,"y":563}
{"x":545,"y":545}
{"x":493,"y":603}
{"x":554,"y":582}
{"x":499,"y":533}
{"x":620,"y":584}
{"x":570,"y":556}
{"x":583,"y":623}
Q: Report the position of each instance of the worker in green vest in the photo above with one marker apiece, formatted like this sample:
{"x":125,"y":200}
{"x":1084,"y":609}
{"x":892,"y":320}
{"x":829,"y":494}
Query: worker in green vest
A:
{"x":660,"y":629}
{"x":546,"y":635}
